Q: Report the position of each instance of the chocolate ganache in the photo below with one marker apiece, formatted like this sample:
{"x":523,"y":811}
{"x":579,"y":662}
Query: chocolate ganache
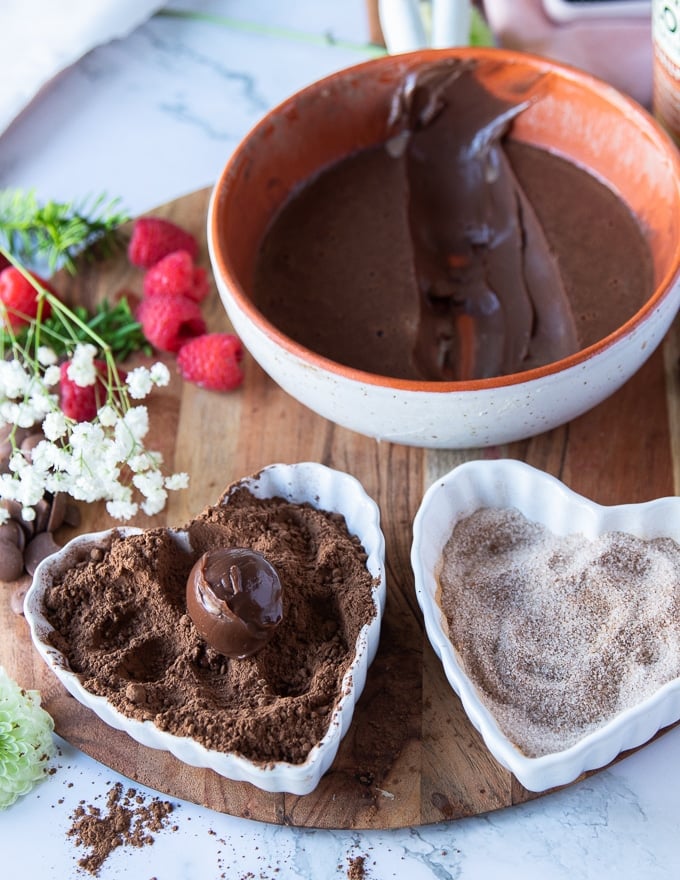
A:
{"x":451,"y":251}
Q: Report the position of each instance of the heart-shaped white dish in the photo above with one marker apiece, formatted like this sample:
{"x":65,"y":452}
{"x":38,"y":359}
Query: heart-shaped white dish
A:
{"x":540,"y":498}
{"x":323,"y":488}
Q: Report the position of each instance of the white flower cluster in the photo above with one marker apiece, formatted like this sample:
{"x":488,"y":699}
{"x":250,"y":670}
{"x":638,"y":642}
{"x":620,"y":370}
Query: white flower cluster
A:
{"x":104,"y":459}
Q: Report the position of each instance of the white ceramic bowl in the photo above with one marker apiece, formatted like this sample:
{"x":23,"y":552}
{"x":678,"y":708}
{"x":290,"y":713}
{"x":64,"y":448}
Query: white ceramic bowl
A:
{"x":579,"y":118}
{"x":543,"y":499}
{"x":322,"y":487}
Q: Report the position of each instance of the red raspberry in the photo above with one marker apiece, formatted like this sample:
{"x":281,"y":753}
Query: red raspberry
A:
{"x":82,"y":403}
{"x":201,"y":286}
{"x":212,"y":361}
{"x":20,"y":298}
{"x":154,"y":238}
{"x":170,"y":321}
{"x":176,"y":274}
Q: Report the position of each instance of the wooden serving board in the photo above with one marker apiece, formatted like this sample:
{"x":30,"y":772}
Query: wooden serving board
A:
{"x":411,"y":757}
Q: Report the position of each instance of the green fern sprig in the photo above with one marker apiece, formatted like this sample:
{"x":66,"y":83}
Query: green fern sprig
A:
{"x":55,"y":232}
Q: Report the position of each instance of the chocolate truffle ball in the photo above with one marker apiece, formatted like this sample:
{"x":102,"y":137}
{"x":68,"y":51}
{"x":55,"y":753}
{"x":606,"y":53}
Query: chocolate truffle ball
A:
{"x":234,"y":599}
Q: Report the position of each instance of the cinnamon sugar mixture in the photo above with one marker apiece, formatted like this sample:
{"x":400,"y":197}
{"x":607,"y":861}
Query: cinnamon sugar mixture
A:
{"x":120,"y":619}
{"x":559,"y":634}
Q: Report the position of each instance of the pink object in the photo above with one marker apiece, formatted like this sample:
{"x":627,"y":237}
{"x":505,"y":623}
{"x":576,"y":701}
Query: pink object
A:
{"x":618,"y":50}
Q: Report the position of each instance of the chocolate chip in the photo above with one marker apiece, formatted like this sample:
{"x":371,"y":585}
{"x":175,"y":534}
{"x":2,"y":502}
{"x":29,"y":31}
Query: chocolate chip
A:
{"x":11,"y":561}
{"x":39,"y":548}
{"x":11,"y":531}
{"x":57,"y":512}
{"x":12,"y":507}
{"x":72,"y":515}
{"x":42,"y":515}
{"x":16,"y":600}
{"x":50,"y":512}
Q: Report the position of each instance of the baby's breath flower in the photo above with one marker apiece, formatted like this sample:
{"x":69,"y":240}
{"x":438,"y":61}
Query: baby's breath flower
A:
{"x":14,"y":379}
{"x":137,"y":421}
{"x":148,"y":482}
{"x":90,"y":461}
{"x":122,"y":510}
{"x":9,"y":412}
{"x":51,"y":459}
{"x":46,"y":356}
{"x":177,"y":481}
{"x":7,"y":486}
{"x":107,"y":415}
{"x":42,"y":402}
{"x":160,"y":374}
{"x":141,"y":380}
{"x":17,"y":462}
{"x":29,"y":491}
{"x":140,"y":463}
{"x":26,"y":742}
{"x":86,"y":436}
{"x":139,"y":383}
{"x":154,"y":503}
{"x":51,"y":376}
{"x":82,"y":369}
{"x":54,"y":425}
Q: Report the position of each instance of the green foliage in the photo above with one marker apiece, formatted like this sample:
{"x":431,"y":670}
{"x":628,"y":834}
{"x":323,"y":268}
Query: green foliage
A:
{"x":55,"y":232}
{"x":113,"y":325}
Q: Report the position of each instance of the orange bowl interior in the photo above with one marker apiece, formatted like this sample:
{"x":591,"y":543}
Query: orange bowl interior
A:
{"x":577,"y":117}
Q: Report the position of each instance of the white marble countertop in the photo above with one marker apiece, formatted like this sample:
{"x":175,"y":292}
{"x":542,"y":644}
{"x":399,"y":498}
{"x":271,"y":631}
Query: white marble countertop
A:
{"x":151,"y":117}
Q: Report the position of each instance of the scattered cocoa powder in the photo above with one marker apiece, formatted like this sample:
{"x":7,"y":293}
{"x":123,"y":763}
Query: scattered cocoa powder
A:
{"x":120,"y":620}
{"x":559,"y":634}
{"x":129,"y":820}
{"x":356,"y":868}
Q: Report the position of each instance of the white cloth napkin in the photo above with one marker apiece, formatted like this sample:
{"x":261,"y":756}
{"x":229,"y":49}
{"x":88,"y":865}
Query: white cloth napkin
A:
{"x":40,"y":38}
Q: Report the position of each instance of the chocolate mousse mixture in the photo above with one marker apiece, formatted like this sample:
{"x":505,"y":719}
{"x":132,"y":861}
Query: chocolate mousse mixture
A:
{"x":451,"y":251}
{"x":121,"y":621}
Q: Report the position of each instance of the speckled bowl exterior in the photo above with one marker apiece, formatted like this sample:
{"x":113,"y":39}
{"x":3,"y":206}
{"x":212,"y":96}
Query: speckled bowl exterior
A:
{"x":323,"y":488}
{"x":579,"y":118}
{"x":544,"y":499}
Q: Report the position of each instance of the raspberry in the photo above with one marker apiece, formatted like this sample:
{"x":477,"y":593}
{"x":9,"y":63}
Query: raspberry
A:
{"x":176,"y":274}
{"x":20,"y":298}
{"x":82,"y":403}
{"x":170,"y":321}
{"x":154,"y":238}
{"x":212,"y":361}
{"x":201,"y":286}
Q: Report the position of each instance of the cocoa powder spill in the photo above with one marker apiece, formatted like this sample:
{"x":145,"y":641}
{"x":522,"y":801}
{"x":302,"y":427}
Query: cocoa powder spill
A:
{"x":356,"y":868}
{"x":559,"y":634}
{"x":120,"y":620}
{"x":130,"y":820}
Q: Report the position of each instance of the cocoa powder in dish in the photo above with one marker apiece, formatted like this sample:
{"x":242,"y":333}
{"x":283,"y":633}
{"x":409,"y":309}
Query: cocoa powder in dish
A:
{"x":559,"y":634}
{"x":120,"y":619}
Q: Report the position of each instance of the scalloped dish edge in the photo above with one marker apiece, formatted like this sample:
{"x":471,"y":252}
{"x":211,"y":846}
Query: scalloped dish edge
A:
{"x":302,"y":482}
{"x":510,"y":483}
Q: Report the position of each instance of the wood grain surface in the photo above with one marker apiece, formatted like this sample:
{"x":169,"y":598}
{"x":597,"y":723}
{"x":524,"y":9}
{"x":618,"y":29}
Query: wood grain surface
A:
{"x":411,"y":757}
